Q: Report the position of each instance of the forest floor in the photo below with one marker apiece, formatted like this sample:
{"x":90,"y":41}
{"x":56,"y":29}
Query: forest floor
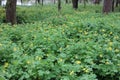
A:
{"x":81,"y":44}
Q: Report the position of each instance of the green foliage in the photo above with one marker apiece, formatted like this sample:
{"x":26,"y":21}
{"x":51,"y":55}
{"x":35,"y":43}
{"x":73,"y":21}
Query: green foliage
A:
{"x":73,"y":45}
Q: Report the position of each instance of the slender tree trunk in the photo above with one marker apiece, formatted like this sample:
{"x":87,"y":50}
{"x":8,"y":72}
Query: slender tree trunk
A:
{"x":11,"y":11}
{"x":84,"y":3}
{"x":66,"y":1}
{"x":113,"y":1}
{"x":54,"y":1}
{"x":107,"y":7}
{"x":35,"y":1}
{"x":42,"y":2}
{"x":21,"y":1}
{"x":117,"y":3}
{"x":0,"y":2}
{"x":80,"y":1}
{"x":96,"y":1}
{"x":38,"y":1}
{"x":59,"y":5}
{"x":75,"y":4}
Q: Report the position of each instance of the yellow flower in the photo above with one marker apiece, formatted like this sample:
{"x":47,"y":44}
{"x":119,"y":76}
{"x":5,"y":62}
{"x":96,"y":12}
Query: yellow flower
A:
{"x":107,"y":62}
{"x":0,"y":45}
{"x":85,"y":32}
{"x":14,"y":49}
{"x":49,"y":39}
{"x":47,"y":54}
{"x":116,"y":37}
{"x":67,"y":46}
{"x":1,"y":30}
{"x":31,"y":45}
{"x":116,"y":50}
{"x":28,"y":62}
{"x":60,"y":60}
{"x":80,"y":31}
{"x":87,"y":71}
{"x":4,"y":71}
{"x":6,"y":64}
{"x":103,"y":30}
{"x":101,"y":55}
{"x":111,"y":33}
{"x":92,"y":62}
{"x":38,"y":58}
{"x":44,"y":38}
{"x":95,"y":34}
{"x":78,"y":62}
{"x":72,"y":72}
{"x":60,"y":49}
{"x":110,"y":48}
{"x":25,"y":54}
{"x":104,"y":34}
{"x":118,"y":64}
{"x":84,"y":69}
{"x":76,"y":57}
{"x":110,"y":43}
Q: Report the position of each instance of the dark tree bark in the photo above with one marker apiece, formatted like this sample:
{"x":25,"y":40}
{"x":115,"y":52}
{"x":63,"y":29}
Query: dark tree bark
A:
{"x":38,"y":1}
{"x":75,"y":4}
{"x":113,"y":1}
{"x":0,"y":2}
{"x":66,"y":1}
{"x":117,"y":3}
{"x":107,"y":7}
{"x":11,"y":11}
{"x":84,"y":3}
{"x":96,"y":1}
{"x":59,"y":5}
{"x":21,"y":1}
{"x":42,"y":2}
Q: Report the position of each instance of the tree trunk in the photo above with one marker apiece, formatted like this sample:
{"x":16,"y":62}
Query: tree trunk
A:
{"x":84,"y":3}
{"x":113,"y":1}
{"x":66,"y":1}
{"x":0,"y":2}
{"x":42,"y":2}
{"x":21,"y":1}
{"x":75,"y":4}
{"x":54,"y":1}
{"x":80,"y":1}
{"x":11,"y":11}
{"x":59,"y":5}
{"x":107,"y":7}
{"x":38,"y":1}
{"x":96,"y":1}
{"x":117,"y":3}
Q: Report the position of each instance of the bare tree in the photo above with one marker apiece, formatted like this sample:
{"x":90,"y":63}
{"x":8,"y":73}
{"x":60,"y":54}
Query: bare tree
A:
{"x":11,"y":11}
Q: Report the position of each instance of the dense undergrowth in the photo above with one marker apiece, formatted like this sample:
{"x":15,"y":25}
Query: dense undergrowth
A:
{"x":70,"y":45}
